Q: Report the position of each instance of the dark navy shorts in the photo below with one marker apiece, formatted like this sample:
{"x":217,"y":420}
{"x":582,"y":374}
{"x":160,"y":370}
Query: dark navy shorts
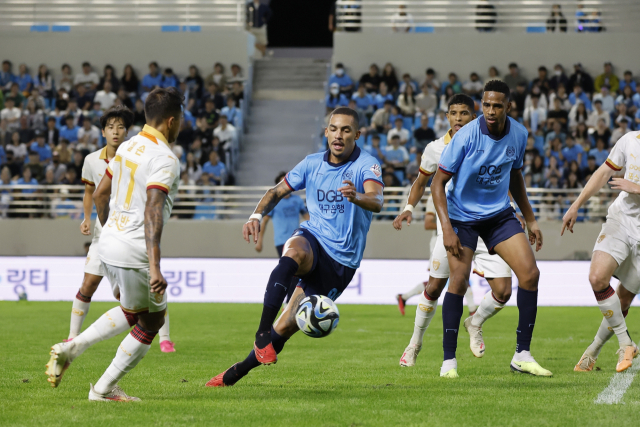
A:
{"x":493,"y":230}
{"x":327,"y":276}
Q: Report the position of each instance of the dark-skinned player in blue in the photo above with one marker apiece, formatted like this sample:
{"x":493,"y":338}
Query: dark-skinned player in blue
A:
{"x":344,"y":187}
{"x":483,"y":161}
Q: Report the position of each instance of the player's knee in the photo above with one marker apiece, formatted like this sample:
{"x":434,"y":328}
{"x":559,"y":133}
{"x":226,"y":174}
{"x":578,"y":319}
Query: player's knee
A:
{"x":88,"y":287}
{"x":458,"y":284}
{"x":598,"y":280}
{"x":297,"y":254}
{"x":503,"y":294}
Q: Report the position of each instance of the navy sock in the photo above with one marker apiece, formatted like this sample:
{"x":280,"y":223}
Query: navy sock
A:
{"x":240,"y":369}
{"x":277,"y":288}
{"x":292,"y":288}
{"x":528,"y":308}
{"x":452,"y":309}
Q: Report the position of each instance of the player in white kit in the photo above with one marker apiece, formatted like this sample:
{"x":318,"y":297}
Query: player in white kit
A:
{"x":617,"y":250}
{"x":491,"y":267}
{"x":115,"y":123}
{"x":133,"y":200}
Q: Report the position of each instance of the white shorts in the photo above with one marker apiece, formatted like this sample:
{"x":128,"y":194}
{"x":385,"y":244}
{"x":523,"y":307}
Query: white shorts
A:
{"x":93,"y":265}
{"x":488,"y":266}
{"x":131,"y":287}
{"x":260,"y":34}
{"x":615,"y":241}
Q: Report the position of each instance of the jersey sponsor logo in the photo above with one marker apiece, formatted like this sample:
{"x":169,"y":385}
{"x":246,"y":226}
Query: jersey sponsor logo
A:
{"x":330,"y":196}
{"x":489,"y":175}
{"x":376,"y":170}
{"x":511,"y":152}
{"x":601,"y":237}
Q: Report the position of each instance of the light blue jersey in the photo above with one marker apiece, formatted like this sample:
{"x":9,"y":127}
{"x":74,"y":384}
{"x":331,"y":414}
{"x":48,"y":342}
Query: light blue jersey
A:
{"x":340,"y":226}
{"x":286,"y":218}
{"x":481,"y":167}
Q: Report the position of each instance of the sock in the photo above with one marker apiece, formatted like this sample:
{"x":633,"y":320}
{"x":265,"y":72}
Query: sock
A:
{"x":489,"y":307}
{"x":528,"y":310}
{"x":239,"y":370}
{"x":418,"y":289}
{"x":425,"y":311}
{"x":452,"y":308}
{"x":277,"y":288}
{"x":110,"y":324}
{"x":79,"y":311}
{"x":292,"y":288}
{"x":130,"y":352}
{"x":602,"y":336}
{"x":609,"y":304}
{"x":470,"y":302}
{"x":164,"y":331}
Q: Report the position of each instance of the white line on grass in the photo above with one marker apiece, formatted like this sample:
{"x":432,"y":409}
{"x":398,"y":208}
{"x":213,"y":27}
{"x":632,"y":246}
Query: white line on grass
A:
{"x":618,"y":386}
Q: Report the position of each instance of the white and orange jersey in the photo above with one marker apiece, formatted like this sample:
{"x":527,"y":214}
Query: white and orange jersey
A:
{"x":432,"y":153}
{"x":95,"y":164}
{"x":625,"y":154}
{"x":142,"y":163}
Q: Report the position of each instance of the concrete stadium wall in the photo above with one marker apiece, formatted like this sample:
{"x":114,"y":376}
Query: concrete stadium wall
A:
{"x":135,"y":46}
{"x":464,"y":52}
{"x":223,"y":239}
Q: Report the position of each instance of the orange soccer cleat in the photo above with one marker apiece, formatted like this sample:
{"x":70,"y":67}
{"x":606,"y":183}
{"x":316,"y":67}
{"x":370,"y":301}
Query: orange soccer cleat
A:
{"x":267,"y":355}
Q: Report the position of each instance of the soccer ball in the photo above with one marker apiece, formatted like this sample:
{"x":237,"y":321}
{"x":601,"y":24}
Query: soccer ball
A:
{"x":317,"y":316}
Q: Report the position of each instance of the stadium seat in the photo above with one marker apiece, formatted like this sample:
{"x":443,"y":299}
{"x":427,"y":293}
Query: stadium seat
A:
{"x":537,"y":28}
{"x":407,"y":123}
{"x":60,"y":28}
{"x":170,"y":28}
{"x":416,"y":122}
{"x":39,"y":28}
{"x":191,"y":28}
{"x":539,"y":143}
{"x":432,"y":121}
{"x":424,"y":29}
{"x":400,"y":175}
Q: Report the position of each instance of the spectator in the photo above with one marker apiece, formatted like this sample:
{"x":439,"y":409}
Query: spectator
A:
{"x":400,"y":132}
{"x":212,"y":94}
{"x":6,"y":76}
{"x":70,"y":130}
{"x":87,"y":78}
{"x":73,"y":111}
{"x":374,"y":149}
{"x":402,"y":22}
{"x":431,"y":81}
{"x":371,"y":80}
{"x":519,"y":97}
{"x":153,"y":79}
{"x":59,"y":169}
{"x":423,"y":135}
{"x":579,"y":95}
{"x":217,"y":77}
{"x":361,"y":119}
{"x":40,"y":147}
{"x":342,"y":79}
{"x":169,"y":79}
{"x":258,"y":15}
{"x":389,"y":78}
{"x":14,"y":166}
{"x":51,"y":133}
{"x":380,"y":122}
{"x":17,"y":147}
{"x":445,"y":97}
{"x":204,"y":133}
{"x":620,"y":131}
{"x":130,"y":80}
{"x":27,"y":179}
{"x":530,"y":150}
{"x":334,"y":98}
{"x":139,"y":118}
{"x":515,"y":114}
{"x":71,"y":178}
{"x":602,"y":131}
{"x":577,"y":115}
{"x":561,"y":94}
{"x":554,"y":150}
{"x":65,"y":81}
{"x":600,"y":152}
{"x":43,"y":84}
{"x":231,"y":111}
{"x":34,"y":115}
{"x":192,"y":167}
{"x":363,"y":100}
{"x":572,"y":152}
{"x":88,"y":134}
{"x":454,"y":83}
{"x":513,"y":79}
{"x":590,"y":169}
{"x":493,"y":74}
{"x":553,"y":167}
{"x":622,"y":114}
{"x":37,"y":169}
{"x":407,"y":80}
{"x":78,"y":162}
{"x":395,"y":155}
{"x":407,"y":102}
{"x":381,"y":98}
{"x":557,"y":114}
{"x":581,"y":78}
{"x":556,"y":21}
{"x":626,"y":97}
{"x":572,"y":182}
{"x":210,"y":114}
{"x":608,"y":102}
{"x":486,"y":16}
{"x":49,"y":179}
{"x":426,"y":102}
{"x":195,"y":84}
{"x":226,"y":134}
{"x":607,"y":79}
{"x":26,"y":133}
{"x":558,"y":79}
{"x":555,"y":133}
{"x":15,"y":95}
{"x":581,"y":132}
{"x":598,"y":114}
{"x":124,"y":98}
{"x":109,"y":75}
{"x":215,"y":169}
{"x":84,"y":99}
{"x":536,"y":171}
{"x":24,"y":80}
{"x":64,"y":151}
{"x":535,"y":116}
{"x":474,"y":86}
{"x":441,"y":125}
{"x":237,"y":90}
{"x":542,"y":81}
{"x":395,"y":114}
{"x":105,"y":97}
{"x":11,"y":114}
{"x":628,"y":81}
{"x":572,"y":167}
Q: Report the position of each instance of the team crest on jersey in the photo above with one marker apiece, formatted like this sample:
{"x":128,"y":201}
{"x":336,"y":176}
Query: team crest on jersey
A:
{"x":348,"y":175}
{"x":511,"y":152}
{"x":601,"y":237}
{"x":436,"y":265}
{"x":376,"y":170}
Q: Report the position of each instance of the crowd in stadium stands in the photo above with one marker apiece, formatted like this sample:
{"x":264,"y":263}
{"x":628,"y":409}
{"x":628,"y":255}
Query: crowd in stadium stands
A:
{"x":48,"y":124}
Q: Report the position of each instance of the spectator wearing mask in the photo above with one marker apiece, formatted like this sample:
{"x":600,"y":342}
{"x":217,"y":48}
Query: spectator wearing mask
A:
{"x":474,"y":86}
{"x":600,"y":152}
{"x":514,"y":78}
{"x":88,"y":134}
{"x":620,"y":131}
{"x":535,"y":116}
{"x":608,"y":102}
{"x":340,"y":76}
{"x":87,"y":78}
{"x":407,"y":102}
{"x":371,"y":80}
{"x":70,"y":131}
{"x":581,"y":78}
{"x":11,"y":114}
{"x":607,"y":79}
{"x":334,"y":98}
{"x":400,"y":132}
{"x":579,"y":95}
{"x":153,"y":79}
{"x":105,"y":97}
{"x":59,"y":169}
{"x":215,"y":169}
{"x":423,"y":135}
{"x":381,"y":119}
{"x":558,"y":79}
{"x":598,"y":114}
{"x":556,"y":21}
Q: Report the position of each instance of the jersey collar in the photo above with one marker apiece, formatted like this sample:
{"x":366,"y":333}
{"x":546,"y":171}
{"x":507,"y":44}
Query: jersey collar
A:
{"x":447,"y":137}
{"x":103,"y":154}
{"x":352,"y":158}
{"x":485,"y":130}
{"x":153,"y":134}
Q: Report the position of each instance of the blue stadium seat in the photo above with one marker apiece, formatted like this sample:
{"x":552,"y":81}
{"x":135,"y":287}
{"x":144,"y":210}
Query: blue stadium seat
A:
{"x":39,"y":28}
{"x":539,"y":144}
{"x":60,"y":28}
{"x":205,"y":212}
{"x":432,"y":121}
{"x":407,"y":123}
{"x":416,"y":122}
{"x":412,"y":157}
{"x":400,"y":175}
{"x":424,"y":29}
{"x":191,"y":28}
{"x":170,"y":28}
{"x":383,"y":140}
{"x":537,"y":28}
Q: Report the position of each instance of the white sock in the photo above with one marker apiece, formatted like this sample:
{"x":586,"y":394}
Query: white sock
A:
{"x":602,"y":336}
{"x":470,"y":301}
{"x":130,"y":352}
{"x":110,"y":324}
{"x":79,"y":311}
{"x":488,"y":308}
{"x":418,"y":289}
{"x":610,"y":308}
{"x":164,"y":331}
{"x":425,"y":311}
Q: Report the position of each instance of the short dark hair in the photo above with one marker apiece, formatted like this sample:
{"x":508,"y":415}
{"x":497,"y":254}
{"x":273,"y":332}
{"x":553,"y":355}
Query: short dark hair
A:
{"x":153,"y":63}
{"x":346,"y":111}
{"x":461,"y":98}
{"x":542,"y":68}
{"x":388,"y":102}
{"x":591,"y":157}
{"x":163,"y":103}
{"x":68,"y":117}
{"x":280,"y":176}
{"x":117,"y":112}
{"x":430,"y":71}
{"x":513,"y":65}
{"x":498,"y":86}
{"x":628,"y":73}
{"x":86,"y":64}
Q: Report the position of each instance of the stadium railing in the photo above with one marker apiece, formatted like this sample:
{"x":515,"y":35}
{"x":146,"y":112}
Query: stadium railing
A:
{"x":236,"y":202}
{"x":530,"y":15}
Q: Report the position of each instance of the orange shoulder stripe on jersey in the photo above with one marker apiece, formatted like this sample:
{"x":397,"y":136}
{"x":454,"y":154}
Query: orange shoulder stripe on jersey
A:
{"x":159,"y":186}
{"x":87,"y":182}
{"x":149,"y":136}
{"x":109,"y":172}
{"x":424,"y":172}
{"x":613,"y":165}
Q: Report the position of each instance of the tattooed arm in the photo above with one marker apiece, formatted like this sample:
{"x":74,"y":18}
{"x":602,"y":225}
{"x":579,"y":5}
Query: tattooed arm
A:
{"x":101,"y":198}
{"x":153,"y":223}
{"x":266,"y":205}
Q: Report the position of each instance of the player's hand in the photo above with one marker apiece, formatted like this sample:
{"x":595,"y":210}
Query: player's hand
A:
{"x":251,"y":228}
{"x":349,"y":191}
{"x":404,"y":216}
{"x":535,"y":235}
{"x":452,"y":243}
{"x":569,"y":219}
{"x":258,"y":246}
{"x":624,"y":185}
{"x":522,"y":223}
{"x":157,"y":282}
{"x":85,"y":227}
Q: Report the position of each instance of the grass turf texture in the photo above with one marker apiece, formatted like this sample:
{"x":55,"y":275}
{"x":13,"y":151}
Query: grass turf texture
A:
{"x":350,"y":378}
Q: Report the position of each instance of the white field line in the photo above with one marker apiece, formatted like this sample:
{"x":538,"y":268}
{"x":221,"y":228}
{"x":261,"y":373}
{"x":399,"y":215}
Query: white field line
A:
{"x":618,"y":386}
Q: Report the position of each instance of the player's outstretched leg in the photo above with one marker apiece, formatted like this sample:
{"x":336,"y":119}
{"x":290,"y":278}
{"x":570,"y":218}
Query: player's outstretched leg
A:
{"x":110,"y":324}
{"x":166,"y":345}
{"x":402,"y":298}
{"x":81,"y":303}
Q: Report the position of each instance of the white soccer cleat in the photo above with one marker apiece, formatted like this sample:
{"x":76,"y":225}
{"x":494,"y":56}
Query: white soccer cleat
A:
{"x":524,"y":363}
{"x":115,"y":395}
{"x":410,"y":355}
{"x":475,"y":337}
{"x":449,"y":368}
{"x":58,"y":363}
{"x":586,"y":363}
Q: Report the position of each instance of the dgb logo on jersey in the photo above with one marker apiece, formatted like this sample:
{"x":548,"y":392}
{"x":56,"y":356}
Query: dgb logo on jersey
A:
{"x":330,"y":196}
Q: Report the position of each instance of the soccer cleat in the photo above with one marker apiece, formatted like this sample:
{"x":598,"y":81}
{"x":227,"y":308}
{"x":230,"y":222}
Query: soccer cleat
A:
{"x":401,"y":303}
{"x":475,"y":337}
{"x":115,"y":395}
{"x":524,"y":363}
{"x":586,"y":363}
{"x":166,"y":346}
{"x":58,"y":363}
{"x":410,"y":355}
{"x":266,"y":355}
{"x":625,"y":357}
{"x":68,"y":340}
{"x":218,"y":380}
{"x":449,"y":369}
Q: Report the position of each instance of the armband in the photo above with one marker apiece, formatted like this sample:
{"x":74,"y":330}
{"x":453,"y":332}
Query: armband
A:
{"x":256,"y":216}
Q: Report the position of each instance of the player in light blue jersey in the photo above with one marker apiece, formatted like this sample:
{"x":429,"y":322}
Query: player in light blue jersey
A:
{"x":344,"y":187}
{"x":483,"y":161}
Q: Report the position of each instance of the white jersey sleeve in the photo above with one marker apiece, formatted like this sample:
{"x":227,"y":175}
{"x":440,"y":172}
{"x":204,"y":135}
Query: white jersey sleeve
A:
{"x":163,"y":171}
{"x":618,"y":156}
{"x":429,"y":161}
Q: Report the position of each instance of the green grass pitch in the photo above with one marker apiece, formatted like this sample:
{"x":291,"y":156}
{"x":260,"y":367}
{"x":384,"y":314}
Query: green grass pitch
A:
{"x":350,"y":378}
